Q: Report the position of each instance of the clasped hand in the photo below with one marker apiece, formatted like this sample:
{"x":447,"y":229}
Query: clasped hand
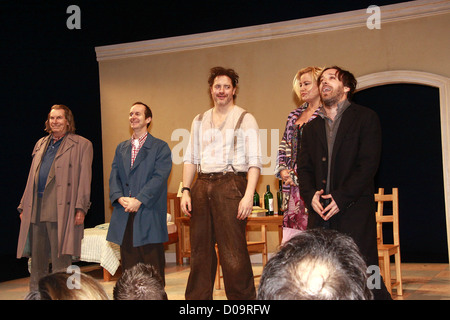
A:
{"x":330,"y":210}
{"x":130,"y":204}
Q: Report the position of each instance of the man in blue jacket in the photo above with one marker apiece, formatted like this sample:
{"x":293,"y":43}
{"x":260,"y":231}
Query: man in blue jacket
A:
{"x":138,"y":193}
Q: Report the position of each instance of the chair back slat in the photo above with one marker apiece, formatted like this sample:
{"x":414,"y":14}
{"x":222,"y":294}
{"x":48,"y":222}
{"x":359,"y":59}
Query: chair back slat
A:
{"x":381,"y":198}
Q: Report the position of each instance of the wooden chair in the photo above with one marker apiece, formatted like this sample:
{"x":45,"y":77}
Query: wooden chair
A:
{"x":254,"y":247}
{"x":386,"y":250}
{"x":173,"y":207}
{"x":184,"y":243}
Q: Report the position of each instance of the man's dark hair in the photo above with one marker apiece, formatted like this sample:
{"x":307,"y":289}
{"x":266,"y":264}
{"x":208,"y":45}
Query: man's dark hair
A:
{"x":317,"y":264}
{"x":220,"y":71}
{"x":346,"y":77}
{"x":141,"y":282}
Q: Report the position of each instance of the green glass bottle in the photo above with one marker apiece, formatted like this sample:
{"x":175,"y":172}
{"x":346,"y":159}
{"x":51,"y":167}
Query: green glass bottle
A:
{"x":280,"y":198}
{"x":268,"y":202}
{"x":256,"y":199}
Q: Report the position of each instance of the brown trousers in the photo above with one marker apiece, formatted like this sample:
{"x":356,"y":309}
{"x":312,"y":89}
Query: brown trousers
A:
{"x":215,"y":200}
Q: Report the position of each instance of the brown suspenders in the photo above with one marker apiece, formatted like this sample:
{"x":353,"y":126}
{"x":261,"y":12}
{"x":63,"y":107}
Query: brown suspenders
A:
{"x":237,"y":127}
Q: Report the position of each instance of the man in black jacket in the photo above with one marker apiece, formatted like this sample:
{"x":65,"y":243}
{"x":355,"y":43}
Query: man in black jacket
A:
{"x":337,"y":161}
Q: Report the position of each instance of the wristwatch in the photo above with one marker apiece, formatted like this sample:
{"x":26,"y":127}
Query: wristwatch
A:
{"x":185,"y":188}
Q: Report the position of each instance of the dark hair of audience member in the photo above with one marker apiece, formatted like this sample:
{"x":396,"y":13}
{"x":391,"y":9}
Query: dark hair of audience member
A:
{"x":141,"y":282}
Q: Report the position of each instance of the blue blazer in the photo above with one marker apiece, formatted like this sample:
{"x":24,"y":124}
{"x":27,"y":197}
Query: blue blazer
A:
{"x":146,"y":181}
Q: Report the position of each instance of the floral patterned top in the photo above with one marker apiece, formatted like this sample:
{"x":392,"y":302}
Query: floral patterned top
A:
{"x":294,"y":216}
{"x":287,"y":150}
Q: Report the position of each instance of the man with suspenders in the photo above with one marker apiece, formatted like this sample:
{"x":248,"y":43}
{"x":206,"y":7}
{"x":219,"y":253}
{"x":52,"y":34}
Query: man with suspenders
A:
{"x":224,"y":150}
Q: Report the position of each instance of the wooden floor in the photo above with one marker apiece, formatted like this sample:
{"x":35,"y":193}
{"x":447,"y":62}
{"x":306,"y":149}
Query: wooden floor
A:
{"x":421,"y":281}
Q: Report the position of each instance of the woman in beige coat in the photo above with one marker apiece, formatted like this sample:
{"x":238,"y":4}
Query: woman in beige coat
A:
{"x":56,"y":196}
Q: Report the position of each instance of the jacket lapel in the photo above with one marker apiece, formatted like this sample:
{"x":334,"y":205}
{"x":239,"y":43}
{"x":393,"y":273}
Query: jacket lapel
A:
{"x":39,"y":154}
{"x":66,"y":145}
{"x":319,"y":122}
{"x":51,"y":174}
{"x":126,"y":156}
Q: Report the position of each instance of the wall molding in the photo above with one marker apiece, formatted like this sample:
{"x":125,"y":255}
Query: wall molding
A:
{"x":433,"y":80}
{"x":292,"y":28}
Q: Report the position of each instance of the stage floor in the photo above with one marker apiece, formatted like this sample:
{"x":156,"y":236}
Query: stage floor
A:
{"x":421,"y":281}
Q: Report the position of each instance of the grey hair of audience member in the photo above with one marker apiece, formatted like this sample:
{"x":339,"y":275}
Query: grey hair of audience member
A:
{"x":141,"y":282}
{"x":317,"y":264}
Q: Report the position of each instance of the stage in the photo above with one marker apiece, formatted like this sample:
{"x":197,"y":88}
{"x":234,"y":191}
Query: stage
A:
{"x":421,"y":281}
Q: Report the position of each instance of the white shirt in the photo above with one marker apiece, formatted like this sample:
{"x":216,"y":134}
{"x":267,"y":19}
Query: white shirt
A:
{"x":213,"y":148}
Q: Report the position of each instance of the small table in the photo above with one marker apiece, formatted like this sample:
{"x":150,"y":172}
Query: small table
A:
{"x":265,"y":221}
{"x":95,"y":248}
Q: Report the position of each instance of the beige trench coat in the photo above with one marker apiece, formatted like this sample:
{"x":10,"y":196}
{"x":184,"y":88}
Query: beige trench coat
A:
{"x":73,"y":172}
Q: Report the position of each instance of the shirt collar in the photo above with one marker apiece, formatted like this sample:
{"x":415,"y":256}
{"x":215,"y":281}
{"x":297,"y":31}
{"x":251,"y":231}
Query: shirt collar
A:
{"x":55,"y":140}
{"x":341,"y":107}
{"x":140,"y":140}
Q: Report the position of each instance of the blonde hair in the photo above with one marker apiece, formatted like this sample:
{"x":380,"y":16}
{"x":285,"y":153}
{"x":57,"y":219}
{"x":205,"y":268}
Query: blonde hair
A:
{"x":315,"y":73}
{"x":54,"y":287}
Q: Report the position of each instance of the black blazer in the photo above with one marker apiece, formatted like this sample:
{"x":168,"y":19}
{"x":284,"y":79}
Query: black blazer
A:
{"x":354,"y":163}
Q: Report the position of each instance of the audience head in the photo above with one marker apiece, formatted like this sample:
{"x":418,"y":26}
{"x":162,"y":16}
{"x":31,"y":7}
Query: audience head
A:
{"x":141,"y":282}
{"x":68,"y":286}
{"x":317,"y":264}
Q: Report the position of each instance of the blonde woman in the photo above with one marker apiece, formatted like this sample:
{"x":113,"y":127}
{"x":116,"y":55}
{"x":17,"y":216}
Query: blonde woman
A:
{"x":305,"y":87}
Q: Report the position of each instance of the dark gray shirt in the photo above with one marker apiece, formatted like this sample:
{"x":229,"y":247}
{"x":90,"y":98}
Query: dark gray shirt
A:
{"x":331,"y":128}
{"x":47,"y":161}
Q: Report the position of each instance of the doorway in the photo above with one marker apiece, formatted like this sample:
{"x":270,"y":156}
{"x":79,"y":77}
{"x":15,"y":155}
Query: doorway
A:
{"x":412,"y":161}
